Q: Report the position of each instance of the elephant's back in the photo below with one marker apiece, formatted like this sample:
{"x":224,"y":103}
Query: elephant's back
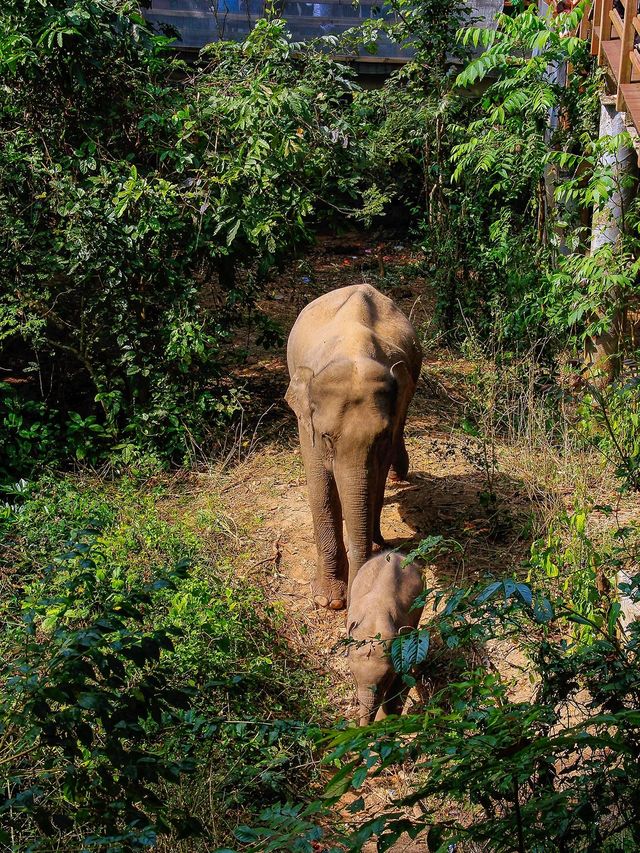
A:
{"x":359,"y":302}
{"x":351,"y":321}
{"x":385,"y":582}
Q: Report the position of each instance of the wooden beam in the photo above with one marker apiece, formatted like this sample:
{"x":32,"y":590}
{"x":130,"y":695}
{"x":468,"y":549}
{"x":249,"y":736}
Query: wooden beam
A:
{"x":605,"y":27}
{"x":583,"y":31}
{"x":631,"y":94}
{"x":595,"y":27}
{"x":611,"y":58}
{"x":624,"y":69}
{"x":616,"y":20}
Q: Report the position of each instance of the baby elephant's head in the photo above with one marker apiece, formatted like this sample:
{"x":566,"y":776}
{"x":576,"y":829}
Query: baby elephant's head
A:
{"x":373,"y":673}
{"x":378,"y":685}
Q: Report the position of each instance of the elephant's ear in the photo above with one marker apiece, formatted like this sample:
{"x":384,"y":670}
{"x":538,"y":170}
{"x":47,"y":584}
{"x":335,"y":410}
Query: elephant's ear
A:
{"x":297,"y":397}
{"x":404,"y":382}
{"x":402,"y":375}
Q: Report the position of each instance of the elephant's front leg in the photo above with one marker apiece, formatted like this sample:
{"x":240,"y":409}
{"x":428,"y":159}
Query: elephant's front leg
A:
{"x":329,"y":587}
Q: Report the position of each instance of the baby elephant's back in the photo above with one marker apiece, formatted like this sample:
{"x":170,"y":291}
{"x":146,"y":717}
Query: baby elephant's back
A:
{"x":386,"y":583}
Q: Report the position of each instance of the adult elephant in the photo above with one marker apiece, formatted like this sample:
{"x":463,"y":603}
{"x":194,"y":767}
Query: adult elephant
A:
{"x":354,"y":361}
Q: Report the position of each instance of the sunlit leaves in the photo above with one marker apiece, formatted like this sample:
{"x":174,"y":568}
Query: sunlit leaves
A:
{"x":510,"y":142}
{"x":410,"y":649}
{"x":87,"y":705}
{"x":134,"y":197}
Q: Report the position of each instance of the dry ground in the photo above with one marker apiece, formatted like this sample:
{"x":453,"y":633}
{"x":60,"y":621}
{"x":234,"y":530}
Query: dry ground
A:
{"x":261,"y":488}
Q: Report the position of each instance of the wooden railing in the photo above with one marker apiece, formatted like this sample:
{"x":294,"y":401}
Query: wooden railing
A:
{"x":615,"y":27}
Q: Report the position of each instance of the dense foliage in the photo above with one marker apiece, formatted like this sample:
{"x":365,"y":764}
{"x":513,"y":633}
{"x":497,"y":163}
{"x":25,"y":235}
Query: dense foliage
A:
{"x":132,"y":667}
{"x":558,"y":773}
{"x":146,"y":206}
{"x":142,"y":204}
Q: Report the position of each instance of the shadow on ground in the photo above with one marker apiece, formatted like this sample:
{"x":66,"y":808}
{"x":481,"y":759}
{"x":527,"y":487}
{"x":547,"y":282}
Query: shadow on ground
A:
{"x":488,"y":531}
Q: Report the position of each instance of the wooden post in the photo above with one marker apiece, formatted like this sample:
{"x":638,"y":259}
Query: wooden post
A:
{"x":605,"y":28}
{"x":624,"y":71}
{"x":583,"y":31}
{"x":595,"y":27}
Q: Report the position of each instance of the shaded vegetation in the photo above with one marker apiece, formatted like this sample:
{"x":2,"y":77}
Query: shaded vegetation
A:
{"x":150,"y":698}
{"x":134,"y":668}
{"x":142,"y":206}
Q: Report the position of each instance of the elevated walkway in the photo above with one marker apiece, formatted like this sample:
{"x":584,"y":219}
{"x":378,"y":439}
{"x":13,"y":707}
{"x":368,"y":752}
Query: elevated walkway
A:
{"x":198,"y":22}
{"x":615,"y":40}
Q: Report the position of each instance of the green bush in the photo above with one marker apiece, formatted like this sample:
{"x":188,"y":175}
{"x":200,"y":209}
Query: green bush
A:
{"x":142,"y":204}
{"x":148,"y":695}
{"x":554,"y":772}
{"x":473,"y":156}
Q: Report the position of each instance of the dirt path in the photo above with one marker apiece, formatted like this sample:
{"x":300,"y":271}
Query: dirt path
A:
{"x":259,"y":503}
{"x":263,"y":488}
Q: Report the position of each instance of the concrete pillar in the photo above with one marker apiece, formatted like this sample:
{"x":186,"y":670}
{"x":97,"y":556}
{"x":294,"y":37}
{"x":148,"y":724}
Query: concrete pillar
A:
{"x":630,"y":607}
{"x":603,"y":353}
{"x":623,"y":164}
{"x":556,"y":73}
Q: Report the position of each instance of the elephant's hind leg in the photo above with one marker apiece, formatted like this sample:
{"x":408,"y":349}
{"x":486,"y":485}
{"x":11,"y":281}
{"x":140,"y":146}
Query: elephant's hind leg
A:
{"x":400,"y":464}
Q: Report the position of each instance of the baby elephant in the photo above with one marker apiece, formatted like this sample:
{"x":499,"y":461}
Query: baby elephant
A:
{"x":381,"y":604}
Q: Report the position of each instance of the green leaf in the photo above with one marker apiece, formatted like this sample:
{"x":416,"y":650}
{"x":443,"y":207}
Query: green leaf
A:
{"x":358,"y":777}
{"x":341,"y":781}
{"x":612,"y":617}
{"x":91,"y":701}
{"x":410,"y":649}
{"x":488,"y":591}
{"x":246,"y":834}
{"x":542,"y":609}
{"x":525,"y":593}
{"x":231,"y":236}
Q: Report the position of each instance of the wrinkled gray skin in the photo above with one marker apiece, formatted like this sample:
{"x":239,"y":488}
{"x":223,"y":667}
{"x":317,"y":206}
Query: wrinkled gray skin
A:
{"x":382,"y":597}
{"x":354,"y":361}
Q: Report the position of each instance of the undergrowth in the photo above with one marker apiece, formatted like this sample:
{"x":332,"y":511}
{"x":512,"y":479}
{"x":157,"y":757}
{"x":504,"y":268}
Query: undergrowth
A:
{"x":149,"y":695}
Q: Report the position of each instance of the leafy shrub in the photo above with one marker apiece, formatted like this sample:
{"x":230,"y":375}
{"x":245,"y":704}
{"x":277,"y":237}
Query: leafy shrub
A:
{"x":143,"y":204}
{"x":581,"y":570}
{"x":148,"y":694}
{"x":473,"y":154}
{"x":88,"y":697}
{"x":557,"y":771}
{"x":609,"y":419}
